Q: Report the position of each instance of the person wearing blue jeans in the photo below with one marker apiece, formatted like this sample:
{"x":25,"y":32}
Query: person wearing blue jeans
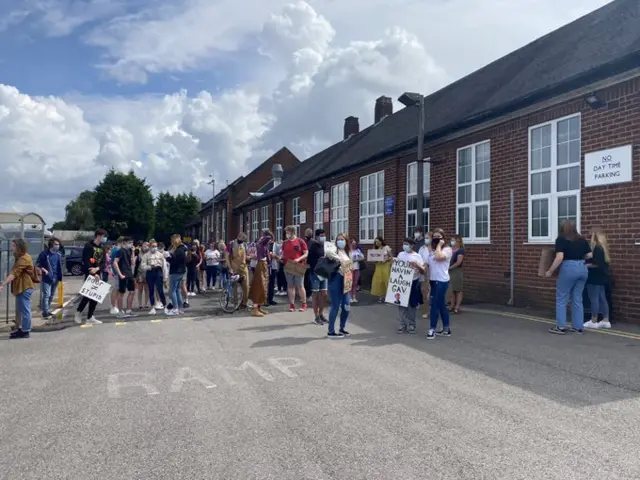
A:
{"x":50,"y":263}
{"x":177,"y":259}
{"x":571,"y":251}
{"x":438,"y":259}
{"x":23,"y":309}
{"x":21,"y":280}
{"x":340,"y":297}
{"x":175,"y":279}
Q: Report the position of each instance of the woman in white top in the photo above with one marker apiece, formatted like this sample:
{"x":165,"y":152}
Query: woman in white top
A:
{"x":407,"y":315}
{"x":153,"y":264}
{"x":212,"y":265}
{"x":356,"y":258}
{"x":338,"y":291}
{"x":438,"y":262}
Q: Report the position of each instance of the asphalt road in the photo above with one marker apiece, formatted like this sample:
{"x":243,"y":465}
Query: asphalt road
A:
{"x":235,"y":397}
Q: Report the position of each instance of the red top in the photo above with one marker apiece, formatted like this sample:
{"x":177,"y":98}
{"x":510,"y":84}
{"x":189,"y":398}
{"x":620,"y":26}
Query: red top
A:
{"x":293,"y":249}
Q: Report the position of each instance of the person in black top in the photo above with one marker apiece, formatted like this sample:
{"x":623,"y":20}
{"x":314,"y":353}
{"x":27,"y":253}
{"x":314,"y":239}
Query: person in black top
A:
{"x":124,"y":264}
{"x":177,"y":267}
{"x":193,"y":262}
{"x":308,"y":238}
{"x":598,"y":267}
{"x":319,"y":286}
{"x":571,"y":252}
{"x":93,"y":257}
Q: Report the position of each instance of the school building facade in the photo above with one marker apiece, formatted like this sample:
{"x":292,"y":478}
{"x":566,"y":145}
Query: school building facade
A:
{"x":548,"y":133}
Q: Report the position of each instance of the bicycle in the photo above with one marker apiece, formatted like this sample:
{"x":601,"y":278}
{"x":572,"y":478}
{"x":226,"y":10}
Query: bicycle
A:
{"x":230,"y":302}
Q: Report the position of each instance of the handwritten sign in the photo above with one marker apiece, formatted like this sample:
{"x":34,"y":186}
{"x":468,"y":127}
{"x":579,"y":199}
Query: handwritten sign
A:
{"x":294,"y":268}
{"x":95,"y":289}
{"x":375,"y":255}
{"x":399,"y":288}
{"x":608,"y":167}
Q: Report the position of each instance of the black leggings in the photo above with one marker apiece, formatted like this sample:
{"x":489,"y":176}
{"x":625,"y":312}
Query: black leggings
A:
{"x":192,"y":280}
{"x":92,"y":306}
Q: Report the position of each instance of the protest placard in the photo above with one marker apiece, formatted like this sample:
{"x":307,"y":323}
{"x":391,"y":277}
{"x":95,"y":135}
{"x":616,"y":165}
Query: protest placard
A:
{"x":295,"y":268}
{"x":95,"y":289}
{"x":399,"y":288}
{"x":375,"y":255}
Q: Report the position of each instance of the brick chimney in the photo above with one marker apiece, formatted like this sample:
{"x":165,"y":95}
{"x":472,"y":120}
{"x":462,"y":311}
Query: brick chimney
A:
{"x":351,"y":126}
{"x":384,"y":107}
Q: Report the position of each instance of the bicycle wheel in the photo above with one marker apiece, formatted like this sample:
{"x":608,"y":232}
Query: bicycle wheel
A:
{"x":227,"y":302}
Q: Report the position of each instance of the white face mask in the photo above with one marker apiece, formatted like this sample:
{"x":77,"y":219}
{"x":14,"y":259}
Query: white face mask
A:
{"x":322,"y":239}
{"x":417,"y":235}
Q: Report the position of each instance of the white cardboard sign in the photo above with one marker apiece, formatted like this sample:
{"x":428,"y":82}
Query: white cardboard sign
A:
{"x":399,"y":288}
{"x":608,"y":167}
{"x":375,"y":255}
{"x":95,"y":289}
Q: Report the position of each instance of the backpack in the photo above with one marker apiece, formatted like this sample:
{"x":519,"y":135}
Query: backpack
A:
{"x":36,"y":274}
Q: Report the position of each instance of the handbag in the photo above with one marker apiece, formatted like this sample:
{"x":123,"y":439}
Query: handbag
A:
{"x":326,"y":267}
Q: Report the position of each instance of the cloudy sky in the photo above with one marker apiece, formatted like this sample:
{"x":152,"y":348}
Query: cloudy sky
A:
{"x":180,"y":89}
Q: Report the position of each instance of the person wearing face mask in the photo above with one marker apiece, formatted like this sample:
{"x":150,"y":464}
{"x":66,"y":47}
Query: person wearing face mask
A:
{"x":357,"y":258}
{"x":418,"y":236}
{"x":425,"y":285}
{"x":455,"y":272}
{"x":50,"y":263}
{"x":153,"y":264}
{"x":382,"y":271}
{"x":407,"y":315}
{"x":236,"y":257}
{"x":319,"y":286}
{"x":177,"y":259}
{"x":124,"y":268}
{"x":295,"y":250}
{"x":260,"y":281}
{"x":340,"y":286}
{"x":439,"y":260}
{"x":92,"y":262}
{"x":141,"y":278}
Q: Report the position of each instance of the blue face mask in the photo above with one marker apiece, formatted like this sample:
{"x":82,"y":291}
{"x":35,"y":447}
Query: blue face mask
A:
{"x":322,"y":239}
{"x":406,"y":248}
{"x":104,"y":240}
{"x":154,"y":249}
{"x":341,"y":243}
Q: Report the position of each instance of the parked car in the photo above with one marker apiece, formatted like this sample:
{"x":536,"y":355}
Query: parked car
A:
{"x":73,"y":260}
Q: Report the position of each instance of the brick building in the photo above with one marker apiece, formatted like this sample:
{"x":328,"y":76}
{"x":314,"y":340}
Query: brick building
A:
{"x":217,"y":222}
{"x":556,"y":122}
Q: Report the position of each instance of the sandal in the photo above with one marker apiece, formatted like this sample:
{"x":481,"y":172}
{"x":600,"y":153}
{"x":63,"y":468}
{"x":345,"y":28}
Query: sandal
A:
{"x":456,"y":310}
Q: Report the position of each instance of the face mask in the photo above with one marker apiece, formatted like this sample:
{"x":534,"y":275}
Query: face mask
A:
{"x":452,"y":243}
{"x":145,"y":249}
{"x":406,"y":248}
{"x":104,"y":240}
{"x":377,"y":243}
{"x":154,"y":249}
{"x":322,"y":239}
{"x":341,"y":243}
{"x":289,"y":237}
{"x":427,"y":241}
{"x":417,"y":235}
{"x":435,"y":242}
{"x":55,"y":248}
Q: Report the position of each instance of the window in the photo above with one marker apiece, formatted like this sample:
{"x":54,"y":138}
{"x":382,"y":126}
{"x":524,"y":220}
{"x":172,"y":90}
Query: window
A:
{"x":296,"y":214}
{"x":247,"y":229}
{"x":554,"y":177}
{"x":412,"y":197}
{"x":265,"y":217}
{"x":217,"y":234}
{"x":371,"y":207}
{"x":241,"y":221}
{"x":339,"y":209}
{"x":279,"y":220}
{"x":254,"y":221}
{"x":224,"y":224}
{"x":474,"y":192}
{"x":318,"y":204}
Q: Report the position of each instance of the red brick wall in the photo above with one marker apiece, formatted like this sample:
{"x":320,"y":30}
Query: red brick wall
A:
{"x":616,"y":208}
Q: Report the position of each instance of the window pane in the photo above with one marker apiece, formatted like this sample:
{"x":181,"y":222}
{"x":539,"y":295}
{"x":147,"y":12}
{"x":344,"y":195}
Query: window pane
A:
{"x":482,"y":192}
{"x":483,"y":161}
{"x":568,"y":179}
{"x":380,"y":207}
{"x":482,"y":221}
{"x":563,"y":153}
{"x":540,"y":183}
{"x":464,"y":166}
{"x":463,"y":222}
{"x":540,"y":218}
{"x":380,"y":184}
{"x":464,"y":194}
{"x":574,"y":151}
{"x":364,"y":189}
{"x":411,"y":179}
{"x":567,"y":210}
{"x":536,"y":160}
{"x":370,"y":228}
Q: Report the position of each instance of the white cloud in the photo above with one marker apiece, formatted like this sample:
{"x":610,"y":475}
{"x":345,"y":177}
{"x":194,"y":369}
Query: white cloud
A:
{"x":326,"y":60}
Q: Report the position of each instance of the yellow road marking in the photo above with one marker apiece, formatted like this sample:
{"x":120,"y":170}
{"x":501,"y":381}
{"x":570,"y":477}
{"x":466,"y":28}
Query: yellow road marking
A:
{"x":615,"y":333}
{"x":84,"y":325}
{"x":156,"y":321}
{"x":120,"y":323}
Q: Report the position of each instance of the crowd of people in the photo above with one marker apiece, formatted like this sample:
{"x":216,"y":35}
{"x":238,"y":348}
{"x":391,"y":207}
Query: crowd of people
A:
{"x":327,"y":273}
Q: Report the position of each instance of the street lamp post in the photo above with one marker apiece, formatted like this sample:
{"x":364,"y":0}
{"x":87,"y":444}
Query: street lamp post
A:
{"x":412,"y":99}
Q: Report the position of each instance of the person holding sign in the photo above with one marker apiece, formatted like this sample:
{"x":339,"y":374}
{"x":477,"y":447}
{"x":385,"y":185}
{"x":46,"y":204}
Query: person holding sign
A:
{"x":382,"y":270}
{"x":412,"y":259}
{"x":92,"y":264}
{"x":438,"y":262}
{"x":340,"y":285}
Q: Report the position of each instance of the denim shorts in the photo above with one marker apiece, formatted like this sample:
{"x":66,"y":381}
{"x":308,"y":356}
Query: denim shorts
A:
{"x":318,"y":284}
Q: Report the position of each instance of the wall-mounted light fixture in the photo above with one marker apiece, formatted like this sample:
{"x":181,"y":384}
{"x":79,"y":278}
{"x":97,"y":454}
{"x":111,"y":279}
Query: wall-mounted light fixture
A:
{"x":594,"y":101}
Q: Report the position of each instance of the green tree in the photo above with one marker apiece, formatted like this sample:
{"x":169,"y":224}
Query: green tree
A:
{"x":173,"y":213}
{"x":78,"y":213}
{"x":123,"y":205}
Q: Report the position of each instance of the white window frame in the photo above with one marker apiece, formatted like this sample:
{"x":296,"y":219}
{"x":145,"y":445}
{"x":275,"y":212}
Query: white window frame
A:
{"x":255,"y":225}
{"x":264,"y":216}
{"x":378,"y":206}
{"x":318,"y":204}
{"x":339,"y":220}
{"x":223,"y":235}
{"x":241,"y":226}
{"x":218,"y":223}
{"x":410,"y":193}
{"x":553,"y":197}
{"x":295,"y":214}
{"x":279,"y":221}
{"x":473,"y":204}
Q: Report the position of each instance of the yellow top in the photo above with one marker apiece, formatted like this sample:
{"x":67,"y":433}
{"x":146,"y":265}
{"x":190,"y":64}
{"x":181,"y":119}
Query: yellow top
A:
{"x":22,"y":273}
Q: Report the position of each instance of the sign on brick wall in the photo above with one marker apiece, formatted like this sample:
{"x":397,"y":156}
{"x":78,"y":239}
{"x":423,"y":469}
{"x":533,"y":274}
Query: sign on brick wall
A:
{"x":608,"y":167}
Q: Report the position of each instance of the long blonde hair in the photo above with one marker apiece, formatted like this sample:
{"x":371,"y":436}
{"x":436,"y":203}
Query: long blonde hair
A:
{"x":599,"y":238}
{"x":176,"y":241}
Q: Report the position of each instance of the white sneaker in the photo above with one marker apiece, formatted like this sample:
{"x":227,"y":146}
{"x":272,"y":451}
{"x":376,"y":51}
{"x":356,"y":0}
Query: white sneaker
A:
{"x":590,"y":324}
{"x":158,"y":306}
{"x":93,"y":321}
{"x":152,"y":311}
{"x":114,"y":311}
{"x":78,"y":317}
{"x":604,"y":324}
{"x":424,"y":315}
{"x":129,"y":312}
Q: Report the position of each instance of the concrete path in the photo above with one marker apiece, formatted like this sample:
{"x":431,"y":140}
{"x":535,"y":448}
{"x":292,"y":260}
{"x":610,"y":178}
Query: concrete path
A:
{"x":235,"y":397}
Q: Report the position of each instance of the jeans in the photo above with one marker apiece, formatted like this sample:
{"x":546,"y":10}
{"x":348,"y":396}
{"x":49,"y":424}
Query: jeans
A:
{"x":439,"y":305}
{"x":273,"y":274}
{"x":224,"y":277}
{"x":23,"y":308}
{"x":338,"y":299}
{"x":174,"y":289}
{"x":212,"y":275}
{"x":598,"y":300}
{"x":571,"y":280}
{"x":154,"y":280}
{"x":48,"y":294}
